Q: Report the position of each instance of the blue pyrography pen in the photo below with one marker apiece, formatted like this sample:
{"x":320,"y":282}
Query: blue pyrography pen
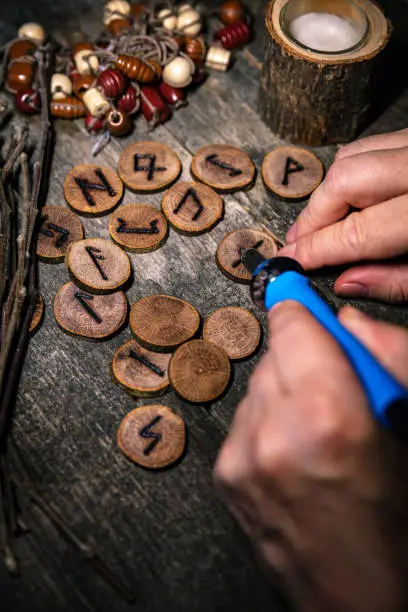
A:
{"x":282,"y":278}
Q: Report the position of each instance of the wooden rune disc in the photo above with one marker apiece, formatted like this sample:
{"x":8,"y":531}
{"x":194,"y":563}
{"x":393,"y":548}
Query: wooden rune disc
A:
{"x":37,"y":315}
{"x":163,"y":322}
{"x":292,"y":172}
{"x":89,"y":316}
{"x":58,"y":228}
{"x":192,"y":208}
{"x":98,"y":264}
{"x":199,"y":371}
{"x":138,"y":228}
{"x":148,"y":166}
{"x":234,"y":244}
{"x":140,"y":372}
{"x":92,"y":190}
{"x":152,"y":436}
{"x":234,"y":329}
{"x":223,"y":167}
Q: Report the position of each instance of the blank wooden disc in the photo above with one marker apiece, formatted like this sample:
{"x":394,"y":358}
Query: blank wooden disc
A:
{"x":292,"y":172}
{"x":139,"y":371}
{"x":37,"y":315}
{"x":98,"y":265}
{"x":232,"y":247}
{"x":192,"y":208}
{"x":152,"y":436}
{"x":163,"y":322}
{"x":223,"y":167}
{"x":148,"y":166}
{"x":199,"y":371}
{"x":234,"y":329}
{"x":89,"y":316}
{"x":92,"y":190}
{"x":58,"y":228}
{"x":138,"y":228}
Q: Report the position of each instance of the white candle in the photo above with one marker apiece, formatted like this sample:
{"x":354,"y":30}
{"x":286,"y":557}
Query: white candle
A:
{"x":324,"y":32}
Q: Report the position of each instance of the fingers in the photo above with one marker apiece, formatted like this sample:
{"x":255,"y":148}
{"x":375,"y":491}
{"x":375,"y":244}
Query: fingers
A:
{"x":394,"y":140}
{"x":374,"y":233}
{"x":388,"y":283}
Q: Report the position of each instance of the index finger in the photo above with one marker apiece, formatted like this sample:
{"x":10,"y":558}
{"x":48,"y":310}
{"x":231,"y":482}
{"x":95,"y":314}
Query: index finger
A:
{"x":393,"y":140}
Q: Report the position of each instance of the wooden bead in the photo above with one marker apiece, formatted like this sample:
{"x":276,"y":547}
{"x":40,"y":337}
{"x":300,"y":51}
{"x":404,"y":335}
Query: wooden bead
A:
{"x":58,"y":228}
{"x":115,"y":9}
{"x":82,"y":83}
{"x":95,"y":102}
{"x":148,"y":166}
{"x":234,"y":244}
{"x":98,"y":265}
{"x":191,"y":208}
{"x":28,"y":101}
{"x":234,"y":36}
{"x":200,"y":73}
{"x":199,"y":371}
{"x":61,"y":86}
{"x":136,"y":69}
{"x":195,"y":48}
{"x":177,"y":73}
{"x":32,"y":31}
{"x":168,"y":19}
{"x":130,"y":101}
{"x":38,"y":315}
{"x":139,"y":371}
{"x":154,"y":108}
{"x":20,"y":48}
{"x":118,"y":122}
{"x":163,"y":322}
{"x":67,"y":108}
{"x":119,"y":26}
{"x":96,"y":317}
{"x":234,"y":329}
{"x":172,"y":95}
{"x":82,"y":46}
{"x":92,"y":190}
{"x":20,"y":75}
{"x":152,"y":436}
{"x":292,"y":173}
{"x":223,"y":168}
{"x":94,"y":125}
{"x":86,"y":62}
{"x":112,"y":82}
{"x":138,"y":228}
{"x":189,"y":21}
{"x":137,"y":10}
{"x":218,"y":59}
{"x":231,"y":12}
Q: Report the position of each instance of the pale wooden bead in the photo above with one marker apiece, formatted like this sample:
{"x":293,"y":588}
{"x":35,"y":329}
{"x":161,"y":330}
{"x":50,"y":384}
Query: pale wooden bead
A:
{"x":184,"y":7}
{"x":218,"y":59}
{"x":33,"y":31}
{"x":95,"y":102}
{"x":189,"y":22}
{"x":169,"y":20}
{"x":115,"y":9}
{"x":178,"y":73}
{"x":61,"y":86}
{"x":86,"y":62}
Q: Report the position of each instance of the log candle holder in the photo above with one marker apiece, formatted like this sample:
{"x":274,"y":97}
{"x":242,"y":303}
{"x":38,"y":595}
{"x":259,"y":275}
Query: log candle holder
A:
{"x":319,"y":68}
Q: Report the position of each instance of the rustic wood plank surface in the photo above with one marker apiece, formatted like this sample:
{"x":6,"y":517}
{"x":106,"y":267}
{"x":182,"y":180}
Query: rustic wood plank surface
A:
{"x":165,"y":533}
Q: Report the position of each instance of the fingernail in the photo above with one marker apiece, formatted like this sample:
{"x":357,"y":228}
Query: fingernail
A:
{"x":353,"y":290}
{"x":292,"y":234}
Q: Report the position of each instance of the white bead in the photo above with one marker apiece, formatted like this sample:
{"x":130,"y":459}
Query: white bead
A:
{"x":218,"y":58}
{"x":189,"y":22}
{"x":169,"y":19}
{"x":86,"y":62}
{"x":95,"y":102}
{"x":115,"y":9}
{"x":61,"y":86}
{"x":177,"y":73}
{"x":33,"y":31}
{"x":184,"y":7}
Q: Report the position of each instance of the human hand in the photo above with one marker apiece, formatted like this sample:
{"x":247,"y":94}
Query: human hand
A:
{"x":318,"y":487}
{"x":370,"y":175}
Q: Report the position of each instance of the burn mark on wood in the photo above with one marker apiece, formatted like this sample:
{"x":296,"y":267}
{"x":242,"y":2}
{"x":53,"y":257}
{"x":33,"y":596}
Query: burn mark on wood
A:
{"x":85,"y":186}
{"x":215,"y":161}
{"x":147,"y":433}
{"x":151,"y":168}
{"x":237,"y":262}
{"x":124,"y":229}
{"x":93,"y":254}
{"x":146,"y":362}
{"x":83,"y":299}
{"x":190,"y":193}
{"x":291,"y":166}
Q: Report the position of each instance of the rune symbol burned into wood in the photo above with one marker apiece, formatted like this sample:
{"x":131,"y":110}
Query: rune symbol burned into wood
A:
{"x":143,"y":360}
{"x":85,"y":186}
{"x":124,"y":229}
{"x":147,"y":432}
{"x":83,"y":299}
{"x":151,"y":168}
{"x":237,"y":262}
{"x":64,"y":233}
{"x":93,"y":254}
{"x":190,"y":193}
{"x":291,"y":166}
{"x":215,"y":161}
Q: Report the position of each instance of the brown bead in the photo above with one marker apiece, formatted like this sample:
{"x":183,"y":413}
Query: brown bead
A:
{"x":291,"y":172}
{"x":118,"y":122}
{"x":138,"y":228}
{"x":231,"y":12}
{"x":82,"y":83}
{"x":82,"y":46}
{"x":92,"y":190}
{"x":37,"y":315}
{"x":139,"y":371}
{"x":191,"y":208}
{"x":58,"y":227}
{"x":67,"y":108}
{"x":136,"y":69}
{"x":137,"y":10}
{"x":118,"y":26}
{"x":21,"y":48}
{"x":234,"y":329}
{"x":223,"y":167}
{"x":180,"y":40}
{"x":20,"y":75}
{"x":148,"y":166}
{"x":195,"y":48}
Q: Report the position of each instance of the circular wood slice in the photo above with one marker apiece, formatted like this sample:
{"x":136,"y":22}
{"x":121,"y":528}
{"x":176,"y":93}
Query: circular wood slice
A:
{"x":138,"y":228}
{"x":223,"y":167}
{"x":58,"y":228}
{"x":234,"y":329}
{"x":199,"y":371}
{"x":92,"y":190}
{"x":98,"y":265}
{"x":89,"y":316}
{"x":148,"y":166}
{"x":152,"y":436}
{"x":37,"y":315}
{"x":163,"y":322}
{"x":292,"y":172}
{"x":140,"y":372}
{"x":232,"y":247}
{"x":192,"y":208}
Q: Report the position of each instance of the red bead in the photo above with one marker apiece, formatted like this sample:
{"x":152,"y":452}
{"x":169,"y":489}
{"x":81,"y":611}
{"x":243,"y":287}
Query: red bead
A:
{"x":94,"y":125}
{"x":112,"y":82}
{"x":234,"y":36}
{"x":28,"y":101}
{"x":154,"y":108}
{"x":174,"y":96}
{"x":130,"y":101}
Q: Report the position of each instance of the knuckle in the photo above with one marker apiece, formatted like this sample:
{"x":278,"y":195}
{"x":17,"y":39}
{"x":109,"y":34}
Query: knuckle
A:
{"x":337,"y":175}
{"x":397,"y":290}
{"x":270,"y":458}
{"x":353,"y":232}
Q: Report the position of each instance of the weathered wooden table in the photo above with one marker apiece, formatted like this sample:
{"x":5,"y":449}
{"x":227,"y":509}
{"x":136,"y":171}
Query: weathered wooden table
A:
{"x":166,"y":533}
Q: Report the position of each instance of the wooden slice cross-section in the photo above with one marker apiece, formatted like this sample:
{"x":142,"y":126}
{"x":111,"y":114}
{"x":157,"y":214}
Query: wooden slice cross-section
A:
{"x":148,"y":166}
{"x":234,"y":244}
{"x":292,"y":172}
{"x":199,"y":371}
{"x":139,"y":371}
{"x":163,"y":322}
{"x":234,"y":329}
{"x":37,"y":315}
{"x":98,"y":264}
{"x":192,"y":208}
{"x":223,"y":167}
{"x":58,"y":228}
{"x":92,"y":190}
{"x":152,"y":436}
{"x":138,"y":228}
{"x":82,"y":314}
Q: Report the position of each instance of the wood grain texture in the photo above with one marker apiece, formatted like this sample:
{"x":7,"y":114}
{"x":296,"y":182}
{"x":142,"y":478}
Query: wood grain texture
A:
{"x":148,"y":166}
{"x":292,"y":173}
{"x":223,"y":167}
{"x":93,"y":190}
{"x":59,"y":227}
{"x":138,"y":228}
{"x":234,"y":244}
{"x":37,"y":315}
{"x":191,"y":208}
{"x":234,"y":329}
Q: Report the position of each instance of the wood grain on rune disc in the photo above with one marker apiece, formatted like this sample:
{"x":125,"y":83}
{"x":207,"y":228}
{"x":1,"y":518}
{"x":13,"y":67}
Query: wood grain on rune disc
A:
{"x":199,"y":371}
{"x":192,"y":208}
{"x":138,"y":228}
{"x":234,"y":244}
{"x":92,"y":190}
{"x":139,"y":371}
{"x":292,"y":172}
{"x":148,"y":166}
{"x":223,"y":167}
{"x":234,"y":329}
{"x":163,"y":322}
{"x":37,"y":315}
{"x":89,"y":316}
{"x":152,"y":436}
{"x":98,"y":264}
{"x":59,"y":227}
